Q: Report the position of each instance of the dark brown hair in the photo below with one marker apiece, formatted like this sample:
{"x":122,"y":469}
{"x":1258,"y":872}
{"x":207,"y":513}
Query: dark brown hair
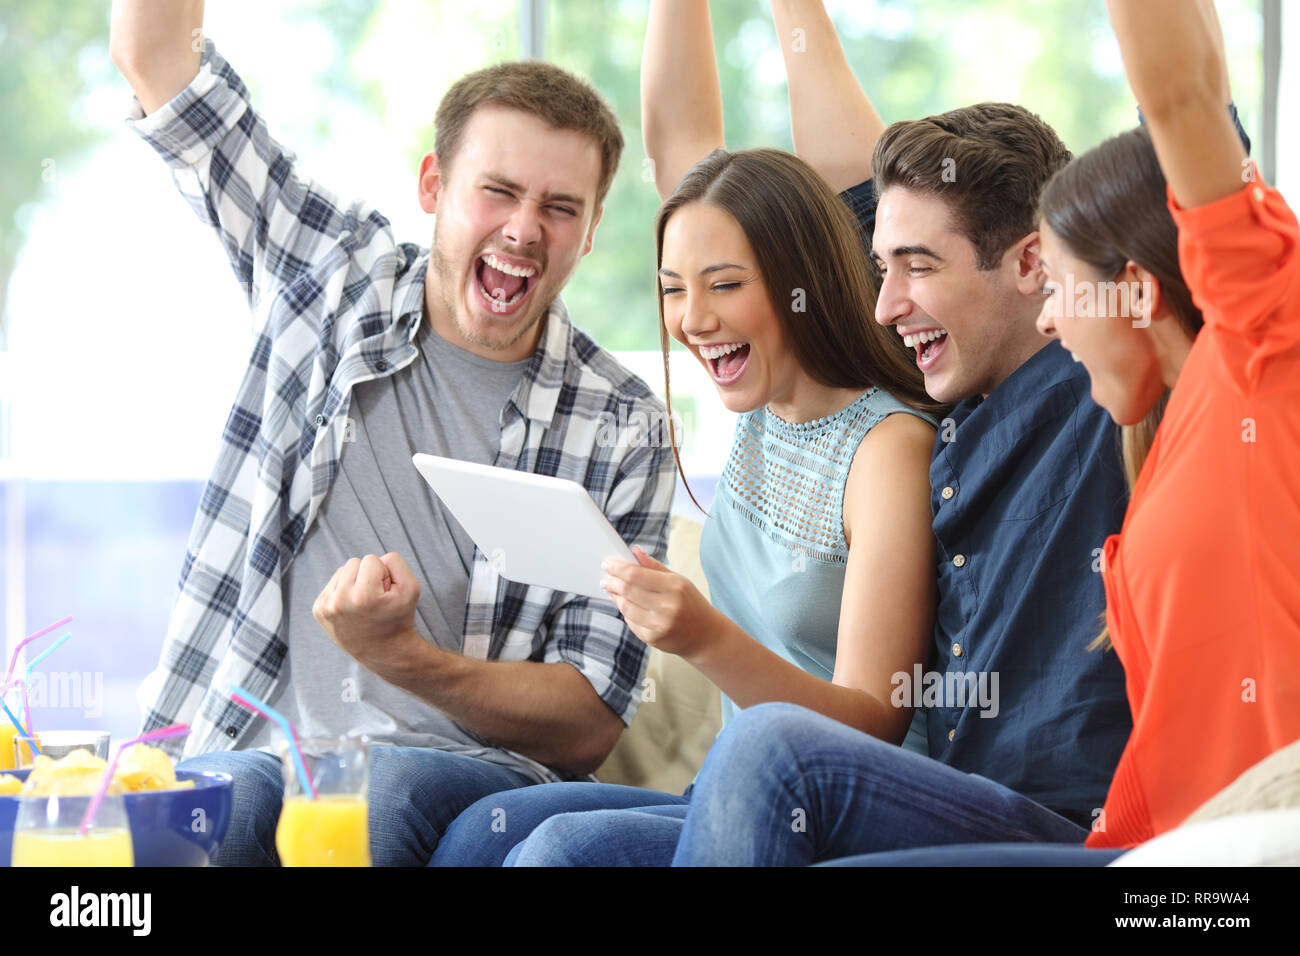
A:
{"x":553,"y":95}
{"x":811,"y":256}
{"x":988,"y":162}
{"x":1109,"y":207}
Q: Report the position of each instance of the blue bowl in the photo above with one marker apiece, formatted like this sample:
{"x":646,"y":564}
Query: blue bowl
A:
{"x":168,"y":827}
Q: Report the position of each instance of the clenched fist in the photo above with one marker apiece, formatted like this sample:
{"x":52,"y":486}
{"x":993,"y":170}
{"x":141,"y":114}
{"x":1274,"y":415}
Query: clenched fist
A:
{"x":368,"y":609}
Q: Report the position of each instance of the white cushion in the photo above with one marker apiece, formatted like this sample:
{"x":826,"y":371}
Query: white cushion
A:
{"x":1260,"y":838}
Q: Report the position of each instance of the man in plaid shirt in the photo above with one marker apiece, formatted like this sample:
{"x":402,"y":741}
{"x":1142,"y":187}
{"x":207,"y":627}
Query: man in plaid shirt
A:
{"x":365,"y":351}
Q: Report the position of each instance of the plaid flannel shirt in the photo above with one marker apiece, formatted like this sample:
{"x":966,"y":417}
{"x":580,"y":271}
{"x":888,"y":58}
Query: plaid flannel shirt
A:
{"x":337,"y":301}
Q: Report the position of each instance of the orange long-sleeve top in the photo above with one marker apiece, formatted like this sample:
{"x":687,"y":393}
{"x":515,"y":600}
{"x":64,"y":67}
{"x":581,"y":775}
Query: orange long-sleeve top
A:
{"x":1203,"y":580}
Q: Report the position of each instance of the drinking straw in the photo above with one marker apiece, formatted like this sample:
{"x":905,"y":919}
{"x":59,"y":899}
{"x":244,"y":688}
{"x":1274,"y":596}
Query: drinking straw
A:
{"x":175,"y":730}
{"x":42,"y":655}
{"x":13,"y":661}
{"x":22,"y":731}
{"x":27,"y":710}
{"x":244,"y":698}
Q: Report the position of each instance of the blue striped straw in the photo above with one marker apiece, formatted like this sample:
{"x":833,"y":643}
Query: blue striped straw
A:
{"x":244,"y":698}
{"x":21,"y":730}
{"x":42,"y":655}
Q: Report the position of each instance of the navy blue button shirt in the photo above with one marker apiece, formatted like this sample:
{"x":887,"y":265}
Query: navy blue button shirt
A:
{"x":1026,"y":486}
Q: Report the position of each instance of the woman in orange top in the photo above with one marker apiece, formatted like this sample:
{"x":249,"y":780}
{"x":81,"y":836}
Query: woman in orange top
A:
{"x":1198,"y":307}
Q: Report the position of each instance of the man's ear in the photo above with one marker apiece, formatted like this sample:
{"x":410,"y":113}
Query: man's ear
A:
{"x":429,"y":183}
{"x":591,"y":233}
{"x":1026,"y":254}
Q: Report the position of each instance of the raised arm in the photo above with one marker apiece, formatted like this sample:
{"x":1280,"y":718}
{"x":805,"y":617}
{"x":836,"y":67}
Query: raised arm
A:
{"x":1173,"y":55}
{"x":154,"y":44}
{"x":833,"y":123}
{"x":681,"y":100}
{"x":195,"y":111}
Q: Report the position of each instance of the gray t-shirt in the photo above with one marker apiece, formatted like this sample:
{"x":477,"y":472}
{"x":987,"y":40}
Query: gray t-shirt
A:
{"x":447,"y":402}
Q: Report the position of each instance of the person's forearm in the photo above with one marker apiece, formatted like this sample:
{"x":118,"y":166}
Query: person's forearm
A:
{"x":155,"y":45}
{"x":833,"y":123}
{"x":681,"y":99}
{"x":1170,"y":52}
{"x":548,"y":712}
{"x":748,"y":673}
{"x":1173,"y":59}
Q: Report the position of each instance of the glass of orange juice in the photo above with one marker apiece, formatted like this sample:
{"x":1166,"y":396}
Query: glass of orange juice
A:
{"x":7,"y":733}
{"x":46,"y":833}
{"x":334,"y":828}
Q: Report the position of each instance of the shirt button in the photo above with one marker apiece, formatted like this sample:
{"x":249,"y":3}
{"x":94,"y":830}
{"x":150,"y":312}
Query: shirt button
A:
{"x":951,"y":734}
{"x":1258,"y":194}
{"x":320,"y":421}
{"x":947,"y":493}
{"x":956,"y":650}
{"x":232,"y":733}
{"x":381,"y":366}
{"x":959,"y":561}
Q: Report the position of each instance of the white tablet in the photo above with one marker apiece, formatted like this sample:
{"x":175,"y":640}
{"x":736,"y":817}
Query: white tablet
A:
{"x":535,"y":529}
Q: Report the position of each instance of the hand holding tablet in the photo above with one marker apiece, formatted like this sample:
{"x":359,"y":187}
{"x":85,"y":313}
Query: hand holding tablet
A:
{"x":535,"y":529}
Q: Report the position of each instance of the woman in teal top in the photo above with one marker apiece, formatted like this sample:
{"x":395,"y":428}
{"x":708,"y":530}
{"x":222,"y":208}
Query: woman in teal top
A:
{"x":819,"y":551}
{"x":774,"y":550}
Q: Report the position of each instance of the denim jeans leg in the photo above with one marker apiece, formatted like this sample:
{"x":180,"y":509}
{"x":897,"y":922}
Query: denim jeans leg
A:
{"x":257,"y":792}
{"x":415,"y":794}
{"x":488,"y":830}
{"x":786,"y":786}
{"x":986,"y":854}
{"x":644,"y":836}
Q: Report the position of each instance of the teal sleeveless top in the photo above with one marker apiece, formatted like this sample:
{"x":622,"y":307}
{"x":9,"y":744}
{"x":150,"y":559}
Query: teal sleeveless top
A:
{"x":773,"y":550}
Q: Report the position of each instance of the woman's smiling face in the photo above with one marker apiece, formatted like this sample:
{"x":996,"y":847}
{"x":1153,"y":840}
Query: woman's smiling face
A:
{"x":1100,"y":323}
{"x":716,"y":304}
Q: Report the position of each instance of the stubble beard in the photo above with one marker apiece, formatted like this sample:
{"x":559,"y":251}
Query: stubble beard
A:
{"x":448,"y":286}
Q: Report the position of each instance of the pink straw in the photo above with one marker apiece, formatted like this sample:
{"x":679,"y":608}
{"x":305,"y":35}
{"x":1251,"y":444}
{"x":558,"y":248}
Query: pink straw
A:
{"x":176,"y":730}
{"x":27,"y":710}
{"x":13,"y":661}
{"x":283,"y":723}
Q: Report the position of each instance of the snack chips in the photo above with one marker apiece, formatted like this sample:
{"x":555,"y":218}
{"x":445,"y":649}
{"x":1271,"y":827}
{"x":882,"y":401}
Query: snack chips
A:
{"x":76,"y":775}
{"x":147,"y":768}
{"x":79,"y":774}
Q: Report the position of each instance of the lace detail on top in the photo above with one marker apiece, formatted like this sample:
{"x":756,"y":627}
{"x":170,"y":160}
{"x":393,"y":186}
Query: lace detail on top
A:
{"x":788,"y":479}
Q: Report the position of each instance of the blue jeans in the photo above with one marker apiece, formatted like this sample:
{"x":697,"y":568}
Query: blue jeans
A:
{"x":487,"y":832}
{"x":784,"y":786}
{"x":414,"y":795}
{"x":985,"y":854}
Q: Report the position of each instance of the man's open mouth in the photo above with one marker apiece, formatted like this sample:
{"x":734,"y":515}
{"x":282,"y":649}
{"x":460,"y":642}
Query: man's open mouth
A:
{"x":929,"y":345}
{"x":503,"y":285}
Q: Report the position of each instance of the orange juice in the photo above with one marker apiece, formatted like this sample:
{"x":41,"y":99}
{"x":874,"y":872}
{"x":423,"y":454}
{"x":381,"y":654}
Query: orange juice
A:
{"x":7,"y":733}
{"x":100,"y":847}
{"x":332,"y":830}
{"x":20,"y":749}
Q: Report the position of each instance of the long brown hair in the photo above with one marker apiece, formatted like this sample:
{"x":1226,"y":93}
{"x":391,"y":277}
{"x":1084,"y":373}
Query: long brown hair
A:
{"x":813,"y":262}
{"x":1109,"y":206}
